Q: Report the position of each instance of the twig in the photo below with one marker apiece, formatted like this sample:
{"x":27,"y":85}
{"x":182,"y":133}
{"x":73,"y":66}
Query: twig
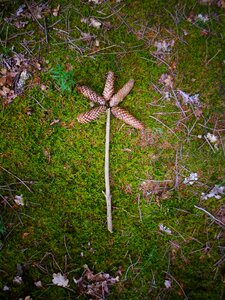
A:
{"x":160,"y":59}
{"x":220,"y":261}
{"x":16,"y":35}
{"x":169,"y":112}
{"x":17,"y":178}
{"x":222,"y":144}
{"x":107,"y":184}
{"x":213,"y":57}
{"x":173,"y":278}
{"x":176,"y":184}
{"x":210,"y":128}
{"x":46,"y":30}
{"x":208,"y":142}
{"x":164,"y":126}
{"x":178,"y":102}
{"x":38,"y":103}
{"x":139,"y":209}
{"x":96,"y":51}
{"x":64,"y":238}
{"x":131,"y":266}
{"x":220,"y":223}
{"x":33,"y":16}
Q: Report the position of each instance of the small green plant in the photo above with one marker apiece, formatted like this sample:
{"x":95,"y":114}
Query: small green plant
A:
{"x":4,"y":50}
{"x":64,"y":79}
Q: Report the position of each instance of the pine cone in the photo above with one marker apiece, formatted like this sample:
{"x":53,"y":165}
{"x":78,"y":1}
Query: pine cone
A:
{"x":127,"y":118}
{"x":122,"y":93}
{"x":91,"y":115}
{"x":109,"y":86}
{"x":90,"y":94}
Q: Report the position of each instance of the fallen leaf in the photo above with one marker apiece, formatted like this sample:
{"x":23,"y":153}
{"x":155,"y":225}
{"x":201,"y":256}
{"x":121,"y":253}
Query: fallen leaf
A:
{"x":164,"y":47}
{"x":19,"y":200}
{"x":18,"y":280}
{"x":188,"y":99}
{"x":60,"y":280}
{"x":94,"y":23}
{"x":198,"y":112}
{"x":43,"y":87}
{"x":38,"y":284}
{"x":55,"y":121}
{"x":55,"y":11}
{"x":165,"y":229}
{"x":168,"y":283}
{"x":191,"y":179}
{"x":25,"y":234}
{"x":167,"y":80}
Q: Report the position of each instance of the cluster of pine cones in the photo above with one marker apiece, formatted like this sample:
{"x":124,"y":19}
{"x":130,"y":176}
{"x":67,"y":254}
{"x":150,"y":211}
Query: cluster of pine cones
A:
{"x":109,"y":100}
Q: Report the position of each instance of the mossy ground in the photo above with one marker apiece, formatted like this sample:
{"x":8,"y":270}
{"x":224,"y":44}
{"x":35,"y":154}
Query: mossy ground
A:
{"x":63,"y":223}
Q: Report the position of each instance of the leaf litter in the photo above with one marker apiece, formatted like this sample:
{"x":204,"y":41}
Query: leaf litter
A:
{"x":95,"y":285}
{"x":216,"y":192}
{"x":191,"y":179}
{"x":30,"y":11}
{"x":60,"y":280}
{"x":14,"y":73}
{"x":164,"y":47}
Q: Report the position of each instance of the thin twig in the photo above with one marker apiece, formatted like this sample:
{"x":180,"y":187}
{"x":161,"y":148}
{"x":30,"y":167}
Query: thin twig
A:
{"x":33,"y":16}
{"x":169,"y":112}
{"x":38,"y":103}
{"x":173,"y":278}
{"x":178,"y":102}
{"x":220,"y":261}
{"x":17,"y":178}
{"x":208,"y":142}
{"x":18,"y":34}
{"x":107,"y":184}
{"x":64,"y":238}
{"x":164,"y":126}
{"x":220,"y":223}
{"x":96,"y":51}
{"x":222,"y":144}
{"x":160,"y":59}
{"x":46,"y":30}
{"x":139,"y":209}
{"x":210,"y":128}
{"x":213,"y":57}
{"x":176,"y":184}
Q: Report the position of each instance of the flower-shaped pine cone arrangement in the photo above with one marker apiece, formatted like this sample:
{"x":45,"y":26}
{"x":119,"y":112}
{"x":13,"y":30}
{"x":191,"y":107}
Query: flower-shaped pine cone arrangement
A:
{"x":109,"y":100}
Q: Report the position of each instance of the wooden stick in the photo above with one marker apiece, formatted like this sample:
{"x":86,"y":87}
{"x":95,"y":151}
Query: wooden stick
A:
{"x":220,"y":223}
{"x":23,"y":182}
{"x":107,"y":184}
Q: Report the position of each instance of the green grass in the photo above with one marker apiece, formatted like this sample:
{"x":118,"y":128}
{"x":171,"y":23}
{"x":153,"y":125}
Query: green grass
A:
{"x":63,"y":223}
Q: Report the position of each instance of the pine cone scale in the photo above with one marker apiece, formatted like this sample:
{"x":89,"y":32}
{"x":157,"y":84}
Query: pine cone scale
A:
{"x":91,"y":115}
{"x":122,"y":93}
{"x":90,"y":94}
{"x":126,"y":117}
{"x":109,"y":86}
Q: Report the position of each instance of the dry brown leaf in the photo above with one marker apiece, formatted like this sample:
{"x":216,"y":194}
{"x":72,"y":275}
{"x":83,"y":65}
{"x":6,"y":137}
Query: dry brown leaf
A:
{"x":55,"y":11}
{"x":55,"y":121}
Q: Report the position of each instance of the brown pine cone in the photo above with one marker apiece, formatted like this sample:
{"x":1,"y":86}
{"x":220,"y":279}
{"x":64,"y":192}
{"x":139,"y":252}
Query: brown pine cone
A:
{"x":109,"y":86}
{"x":126,"y":117}
{"x":91,"y":115}
{"x":122,"y":93}
{"x":90,"y":94}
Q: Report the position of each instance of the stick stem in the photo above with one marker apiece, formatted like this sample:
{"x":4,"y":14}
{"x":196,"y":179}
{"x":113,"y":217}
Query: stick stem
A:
{"x":107,"y":185}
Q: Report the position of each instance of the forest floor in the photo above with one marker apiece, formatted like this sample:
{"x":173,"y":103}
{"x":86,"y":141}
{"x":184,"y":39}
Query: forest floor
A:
{"x":167,"y":183}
